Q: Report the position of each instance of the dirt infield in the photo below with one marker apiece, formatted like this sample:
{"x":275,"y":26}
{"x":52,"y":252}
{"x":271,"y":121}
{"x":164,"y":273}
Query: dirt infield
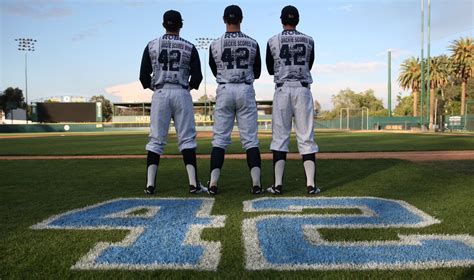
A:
{"x":410,"y":156}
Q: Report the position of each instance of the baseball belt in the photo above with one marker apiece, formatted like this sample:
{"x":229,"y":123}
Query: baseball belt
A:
{"x":160,"y":86}
{"x":303,"y":84}
{"x":223,"y":83}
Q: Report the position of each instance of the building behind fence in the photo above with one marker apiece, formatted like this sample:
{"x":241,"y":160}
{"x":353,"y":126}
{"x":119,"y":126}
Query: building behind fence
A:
{"x":138,"y":115}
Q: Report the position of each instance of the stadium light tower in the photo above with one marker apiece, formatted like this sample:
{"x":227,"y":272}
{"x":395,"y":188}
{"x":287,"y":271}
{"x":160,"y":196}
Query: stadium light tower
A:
{"x":425,"y":79}
{"x":26,"y":45}
{"x":389,"y":86}
{"x":203,"y":44}
{"x":422,"y":63}
{"x":428,"y":80}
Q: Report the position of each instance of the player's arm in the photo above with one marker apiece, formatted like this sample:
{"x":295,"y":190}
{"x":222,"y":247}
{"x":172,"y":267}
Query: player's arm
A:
{"x":195,"y":70}
{"x":212,"y":63}
{"x":311,"y":56}
{"x":146,"y":69}
{"x":257,"y":65}
{"x":270,"y":62}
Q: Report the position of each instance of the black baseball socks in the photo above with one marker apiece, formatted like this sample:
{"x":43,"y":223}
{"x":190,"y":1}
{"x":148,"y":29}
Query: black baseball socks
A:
{"x":152,"y":162}
{"x":254,"y":163}
{"x":189,"y":158}
{"x":217,"y":161}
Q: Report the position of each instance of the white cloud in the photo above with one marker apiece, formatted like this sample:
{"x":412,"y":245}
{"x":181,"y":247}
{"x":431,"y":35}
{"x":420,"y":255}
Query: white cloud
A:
{"x":134,"y":92}
{"x":397,"y":53}
{"x":88,"y":33}
{"x":91,"y":32}
{"x":39,"y":10}
{"x":131,"y":92}
{"x":345,"y":8}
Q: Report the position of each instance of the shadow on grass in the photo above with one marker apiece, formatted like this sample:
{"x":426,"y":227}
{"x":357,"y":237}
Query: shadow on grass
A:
{"x":331,"y":175}
{"x":426,"y":180}
{"x":469,"y":273}
{"x":334,"y":174}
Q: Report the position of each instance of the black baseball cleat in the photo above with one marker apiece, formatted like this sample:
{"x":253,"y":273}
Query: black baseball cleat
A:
{"x":313,"y":190}
{"x":212,"y":190}
{"x":256,"y":189}
{"x":197,"y":189}
{"x":150,"y":190}
{"x":275,"y":190}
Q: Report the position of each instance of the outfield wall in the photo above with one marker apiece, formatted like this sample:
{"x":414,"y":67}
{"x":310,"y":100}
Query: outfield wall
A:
{"x":353,"y":123}
{"x":64,"y":127}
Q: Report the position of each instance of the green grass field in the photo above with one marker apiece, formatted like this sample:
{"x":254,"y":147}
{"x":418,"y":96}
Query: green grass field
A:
{"x":34,"y":190}
{"x":328,"y":142}
{"x":31,"y":191}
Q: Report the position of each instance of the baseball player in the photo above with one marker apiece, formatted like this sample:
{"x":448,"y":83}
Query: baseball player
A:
{"x":166,"y":66}
{"x":235,"y":61}
{"x":290,"y":57}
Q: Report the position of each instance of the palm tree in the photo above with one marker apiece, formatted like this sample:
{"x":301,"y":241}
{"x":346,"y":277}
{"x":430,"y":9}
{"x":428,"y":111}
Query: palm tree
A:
{"x":463,"y":64}
{"x":410,"y":78}
{"x":439,"y":78}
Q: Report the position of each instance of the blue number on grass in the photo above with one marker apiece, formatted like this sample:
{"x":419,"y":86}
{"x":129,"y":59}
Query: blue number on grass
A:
{"x":289,"y":242}
{"x":163,"y":233}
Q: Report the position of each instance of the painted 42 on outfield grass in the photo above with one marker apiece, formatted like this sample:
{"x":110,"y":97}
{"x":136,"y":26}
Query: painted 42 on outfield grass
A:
{"x":165,"y":233}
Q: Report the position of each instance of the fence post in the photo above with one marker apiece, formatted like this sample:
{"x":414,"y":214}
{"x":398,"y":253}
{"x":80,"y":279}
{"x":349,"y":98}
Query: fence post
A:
{"x":367,"y":118}
{"x":340,"y":119}
{"x":435,"y":112}
{"x":347,"y":109}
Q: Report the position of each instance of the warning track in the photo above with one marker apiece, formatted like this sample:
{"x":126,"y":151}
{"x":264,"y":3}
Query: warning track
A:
{"x":410,"y":156}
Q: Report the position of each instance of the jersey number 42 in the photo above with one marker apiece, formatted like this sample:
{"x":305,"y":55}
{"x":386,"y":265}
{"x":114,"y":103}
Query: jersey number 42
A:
{"x":170,"y":60}
{"x":296,"y":53}
{"x":239,"y":59}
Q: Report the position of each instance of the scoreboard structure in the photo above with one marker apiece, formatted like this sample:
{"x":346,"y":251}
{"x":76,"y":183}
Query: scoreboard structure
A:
{"x":61,"y":112}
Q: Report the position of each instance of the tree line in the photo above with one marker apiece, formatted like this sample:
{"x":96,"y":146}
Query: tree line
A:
{"x":450,"y":86}
{"x":453,"y":71}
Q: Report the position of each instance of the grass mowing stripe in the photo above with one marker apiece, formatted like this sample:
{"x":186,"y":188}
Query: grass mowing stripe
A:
{"x":327,"y":141}
{"x":35,"y":190}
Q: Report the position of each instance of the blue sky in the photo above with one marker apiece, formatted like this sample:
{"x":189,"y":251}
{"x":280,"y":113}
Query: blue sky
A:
{"x":87,"y":48}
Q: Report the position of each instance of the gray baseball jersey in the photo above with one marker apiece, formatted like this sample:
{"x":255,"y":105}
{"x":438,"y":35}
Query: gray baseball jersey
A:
{"x":234,"y":56}
{"x":172,"y":60}
{"x":290,"y":56}
{"x":235,"y":61}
